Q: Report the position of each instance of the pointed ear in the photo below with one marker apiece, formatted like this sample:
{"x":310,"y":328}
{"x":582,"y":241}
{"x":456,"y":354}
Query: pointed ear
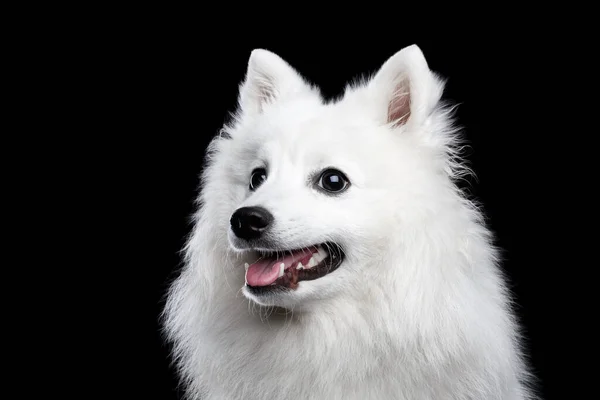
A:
{"x":406,"y":91}
{"x":268,"y":79}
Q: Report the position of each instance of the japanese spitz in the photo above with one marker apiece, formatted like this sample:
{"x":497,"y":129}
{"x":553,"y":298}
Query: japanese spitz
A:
{"x":333,"y":255}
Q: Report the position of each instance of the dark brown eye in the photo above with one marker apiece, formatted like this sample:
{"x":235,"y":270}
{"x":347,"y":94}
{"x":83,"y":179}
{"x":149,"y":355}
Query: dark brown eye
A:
{"x":333,"y":181}
{"x":259,"y":175}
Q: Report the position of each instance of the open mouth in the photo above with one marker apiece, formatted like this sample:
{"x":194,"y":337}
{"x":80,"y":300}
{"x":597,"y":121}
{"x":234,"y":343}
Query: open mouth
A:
{"x":284,"y":269}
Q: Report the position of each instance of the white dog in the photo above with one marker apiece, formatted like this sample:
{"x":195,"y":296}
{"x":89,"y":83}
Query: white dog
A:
{"x":333,"y":256}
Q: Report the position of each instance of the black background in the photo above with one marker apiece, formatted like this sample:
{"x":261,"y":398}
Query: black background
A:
{"x":173,"y":86}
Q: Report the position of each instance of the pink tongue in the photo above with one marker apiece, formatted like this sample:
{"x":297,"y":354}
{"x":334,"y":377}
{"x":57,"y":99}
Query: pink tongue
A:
{"x":264,"y":272}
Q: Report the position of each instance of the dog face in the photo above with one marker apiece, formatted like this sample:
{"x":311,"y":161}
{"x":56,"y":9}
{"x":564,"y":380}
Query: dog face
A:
{"x":316,"y":190}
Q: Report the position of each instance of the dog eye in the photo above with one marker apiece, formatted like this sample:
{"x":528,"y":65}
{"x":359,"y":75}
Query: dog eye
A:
{"x":259,"y":175}
{"x":333,"y":181}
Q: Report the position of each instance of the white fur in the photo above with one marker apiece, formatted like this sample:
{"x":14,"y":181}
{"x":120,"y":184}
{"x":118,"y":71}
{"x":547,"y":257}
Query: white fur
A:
{"x":418,"y":309}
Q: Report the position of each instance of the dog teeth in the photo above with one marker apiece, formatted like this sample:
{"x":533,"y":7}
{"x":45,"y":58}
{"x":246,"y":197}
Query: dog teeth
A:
{"x":320,"y":255}
{"x":246,"y":266}
{"x":300,"y":266}
{"x":281,"y":269}
{"x":312,"y":262}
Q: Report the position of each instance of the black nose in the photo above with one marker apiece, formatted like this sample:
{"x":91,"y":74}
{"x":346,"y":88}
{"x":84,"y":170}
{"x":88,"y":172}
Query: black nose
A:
{"x":250,"y":222}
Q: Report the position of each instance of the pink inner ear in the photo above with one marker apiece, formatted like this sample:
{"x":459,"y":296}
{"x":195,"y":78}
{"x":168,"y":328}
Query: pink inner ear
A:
{"x":265,"y":92}
{"x":399,"y":106}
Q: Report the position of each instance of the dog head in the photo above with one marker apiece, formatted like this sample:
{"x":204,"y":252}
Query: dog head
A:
{"x":316,"y":194}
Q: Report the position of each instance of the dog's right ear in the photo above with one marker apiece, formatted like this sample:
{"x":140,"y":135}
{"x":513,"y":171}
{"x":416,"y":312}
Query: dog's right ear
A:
{"x":268,"y":78}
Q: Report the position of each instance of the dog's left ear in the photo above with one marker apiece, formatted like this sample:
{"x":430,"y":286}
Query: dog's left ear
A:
{"x":405,"y":90}
{"x":268,"y":79}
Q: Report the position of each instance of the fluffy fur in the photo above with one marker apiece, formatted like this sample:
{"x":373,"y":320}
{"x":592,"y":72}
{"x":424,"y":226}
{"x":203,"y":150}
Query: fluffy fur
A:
{"x":418,"y":310}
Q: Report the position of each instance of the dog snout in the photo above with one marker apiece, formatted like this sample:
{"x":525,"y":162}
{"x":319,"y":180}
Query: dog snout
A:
{"x":250,"y":222}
